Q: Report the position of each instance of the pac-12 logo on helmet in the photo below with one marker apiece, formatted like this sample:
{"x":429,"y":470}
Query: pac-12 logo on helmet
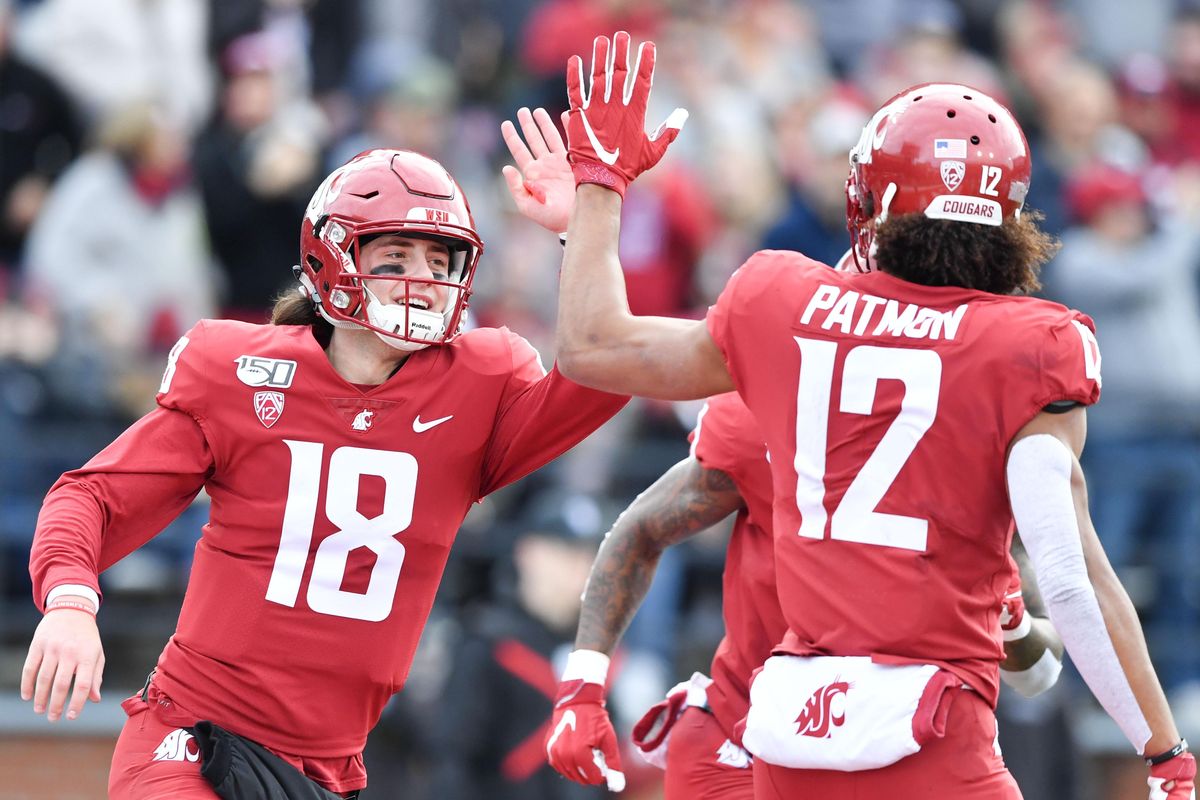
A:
{"x":379,"y":192}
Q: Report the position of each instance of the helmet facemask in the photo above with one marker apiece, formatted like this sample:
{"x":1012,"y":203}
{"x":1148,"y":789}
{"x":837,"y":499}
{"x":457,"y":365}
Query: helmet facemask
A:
{"x":403,"y":324}
{"x":395,"y":192}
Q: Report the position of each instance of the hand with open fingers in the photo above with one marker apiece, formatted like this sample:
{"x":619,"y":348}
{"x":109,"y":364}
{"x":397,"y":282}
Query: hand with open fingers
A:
{"x":65,"y":649}
{"x":582,"y":744}
{"x":541,"y":184}
{"x":606,"y":126}
{"x":1174,"y":779}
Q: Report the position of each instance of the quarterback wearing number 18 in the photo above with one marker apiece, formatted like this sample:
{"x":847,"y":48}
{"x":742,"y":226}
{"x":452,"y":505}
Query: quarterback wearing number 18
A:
{"x":341,"y":448}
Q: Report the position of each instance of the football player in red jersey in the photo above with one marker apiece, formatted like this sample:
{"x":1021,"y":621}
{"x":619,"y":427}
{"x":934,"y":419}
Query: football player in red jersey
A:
{"x":726,"y":473}
{"x":912,"y":411}
{"x":341,"y":447}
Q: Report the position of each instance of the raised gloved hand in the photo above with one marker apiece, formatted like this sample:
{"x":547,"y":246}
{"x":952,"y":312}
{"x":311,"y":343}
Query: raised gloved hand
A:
{"x":606,"y":126}
{"x":582,"y":744}
{"x":1174,"y":779}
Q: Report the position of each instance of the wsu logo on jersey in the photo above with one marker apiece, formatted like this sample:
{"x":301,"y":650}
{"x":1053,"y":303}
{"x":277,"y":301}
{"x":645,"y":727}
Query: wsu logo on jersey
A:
{"x":364,"y":420}
{"x":953,"y":173}
{"x":818,"y":718}
{"x":178,"y":745}
{"x":268,"y":406}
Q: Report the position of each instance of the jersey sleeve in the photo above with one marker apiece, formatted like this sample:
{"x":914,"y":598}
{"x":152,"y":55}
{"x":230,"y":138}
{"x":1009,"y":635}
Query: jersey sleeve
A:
{"x":1070,"y":361}
{"x":1014,"y":580}
{"x":184,"y":382}
{"x":714,"y":441}
{"x":740,"y":314}
{"x":96,"y":515}
{"x":541,"y":416}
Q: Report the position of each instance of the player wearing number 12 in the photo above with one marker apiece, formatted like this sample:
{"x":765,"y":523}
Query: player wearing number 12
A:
{"x":912,"y":409}
{"x":341,"y":447}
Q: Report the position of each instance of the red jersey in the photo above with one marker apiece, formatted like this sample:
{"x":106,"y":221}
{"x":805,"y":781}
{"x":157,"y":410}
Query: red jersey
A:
{"x":333,"y":510}
{"x":726,"y":438}
{"x":887,"y":408}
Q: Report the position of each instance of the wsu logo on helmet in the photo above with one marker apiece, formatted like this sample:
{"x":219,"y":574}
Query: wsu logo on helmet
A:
{"x":818,"y":718}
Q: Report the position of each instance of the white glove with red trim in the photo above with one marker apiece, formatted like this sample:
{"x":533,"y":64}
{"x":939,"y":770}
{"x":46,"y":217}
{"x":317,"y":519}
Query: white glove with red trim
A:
{"x":606,"y":126}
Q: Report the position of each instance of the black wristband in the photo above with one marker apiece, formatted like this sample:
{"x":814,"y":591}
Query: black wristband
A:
{"x":1177,"y":750}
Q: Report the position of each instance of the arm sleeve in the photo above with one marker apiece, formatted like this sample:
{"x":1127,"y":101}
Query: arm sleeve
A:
{"x":541,"y":417}
{"x":96,"y":515}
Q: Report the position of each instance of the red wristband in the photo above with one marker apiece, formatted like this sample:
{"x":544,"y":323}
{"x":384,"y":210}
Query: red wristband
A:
{"x":78,"y":605}
{"x":591,"y":172}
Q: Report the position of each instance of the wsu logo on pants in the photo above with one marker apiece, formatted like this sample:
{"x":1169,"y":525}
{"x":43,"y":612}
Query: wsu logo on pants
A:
{"x":818,"y":717}
{"x":178,"y":745}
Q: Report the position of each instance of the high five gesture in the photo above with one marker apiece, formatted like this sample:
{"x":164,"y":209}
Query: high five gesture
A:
{"x":606,"y":127}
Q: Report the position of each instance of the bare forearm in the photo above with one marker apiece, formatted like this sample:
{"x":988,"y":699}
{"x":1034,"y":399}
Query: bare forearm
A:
{"x":1125,"y":630}
{"x":592,"y":294}
{"x":599,"y":343}
{"x":1021,"y":654}
{"x":680,"y":504}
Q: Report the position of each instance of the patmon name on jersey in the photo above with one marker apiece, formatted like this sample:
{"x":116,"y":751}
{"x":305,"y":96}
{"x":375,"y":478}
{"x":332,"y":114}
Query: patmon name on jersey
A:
{"x":868,"y":315}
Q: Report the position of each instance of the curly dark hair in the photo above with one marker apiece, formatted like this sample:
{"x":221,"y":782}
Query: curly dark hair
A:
{"x":1002,"y":259}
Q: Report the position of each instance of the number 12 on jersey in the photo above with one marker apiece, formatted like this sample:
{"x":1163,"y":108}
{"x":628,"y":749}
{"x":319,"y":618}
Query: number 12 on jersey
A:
{"x":855,"y":518}
{"x":378,"y":533}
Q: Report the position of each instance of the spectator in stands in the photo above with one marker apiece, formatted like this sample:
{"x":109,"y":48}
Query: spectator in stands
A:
{"x":256,"y":165}
{"x":119,"y":253}
{"x":811,"y":147}
{"x":39,"y":136}
{"x":1077,"y":105}
{"x":496,"y":704}
{"x":1137,"y":277}
{"x":111,"y":54}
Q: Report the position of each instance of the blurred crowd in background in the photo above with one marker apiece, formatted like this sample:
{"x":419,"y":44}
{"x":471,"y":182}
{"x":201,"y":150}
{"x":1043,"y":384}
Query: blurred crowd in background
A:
{"x":156,"y":157}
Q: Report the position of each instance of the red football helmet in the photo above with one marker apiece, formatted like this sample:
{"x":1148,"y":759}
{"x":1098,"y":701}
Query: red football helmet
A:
{"x":944,"y":150}
{"x":387,"y":191}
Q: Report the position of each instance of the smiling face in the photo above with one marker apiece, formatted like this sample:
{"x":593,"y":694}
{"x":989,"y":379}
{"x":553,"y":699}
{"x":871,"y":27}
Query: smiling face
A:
{"x":396,"y":256}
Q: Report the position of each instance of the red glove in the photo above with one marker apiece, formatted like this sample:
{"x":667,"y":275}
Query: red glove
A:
{"x":1174,"y":779}
{"x":582,"y":744}
{"x":1014,"y":623}
{"x":606,"y":128}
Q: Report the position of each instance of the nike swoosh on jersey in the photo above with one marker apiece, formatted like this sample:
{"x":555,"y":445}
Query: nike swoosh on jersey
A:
{"x":421,"y":427}
{"x":605,"y":156}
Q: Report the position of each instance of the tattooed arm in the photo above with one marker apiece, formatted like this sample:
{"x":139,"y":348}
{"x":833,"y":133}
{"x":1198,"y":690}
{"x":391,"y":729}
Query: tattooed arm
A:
{"x":687,"y":499}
